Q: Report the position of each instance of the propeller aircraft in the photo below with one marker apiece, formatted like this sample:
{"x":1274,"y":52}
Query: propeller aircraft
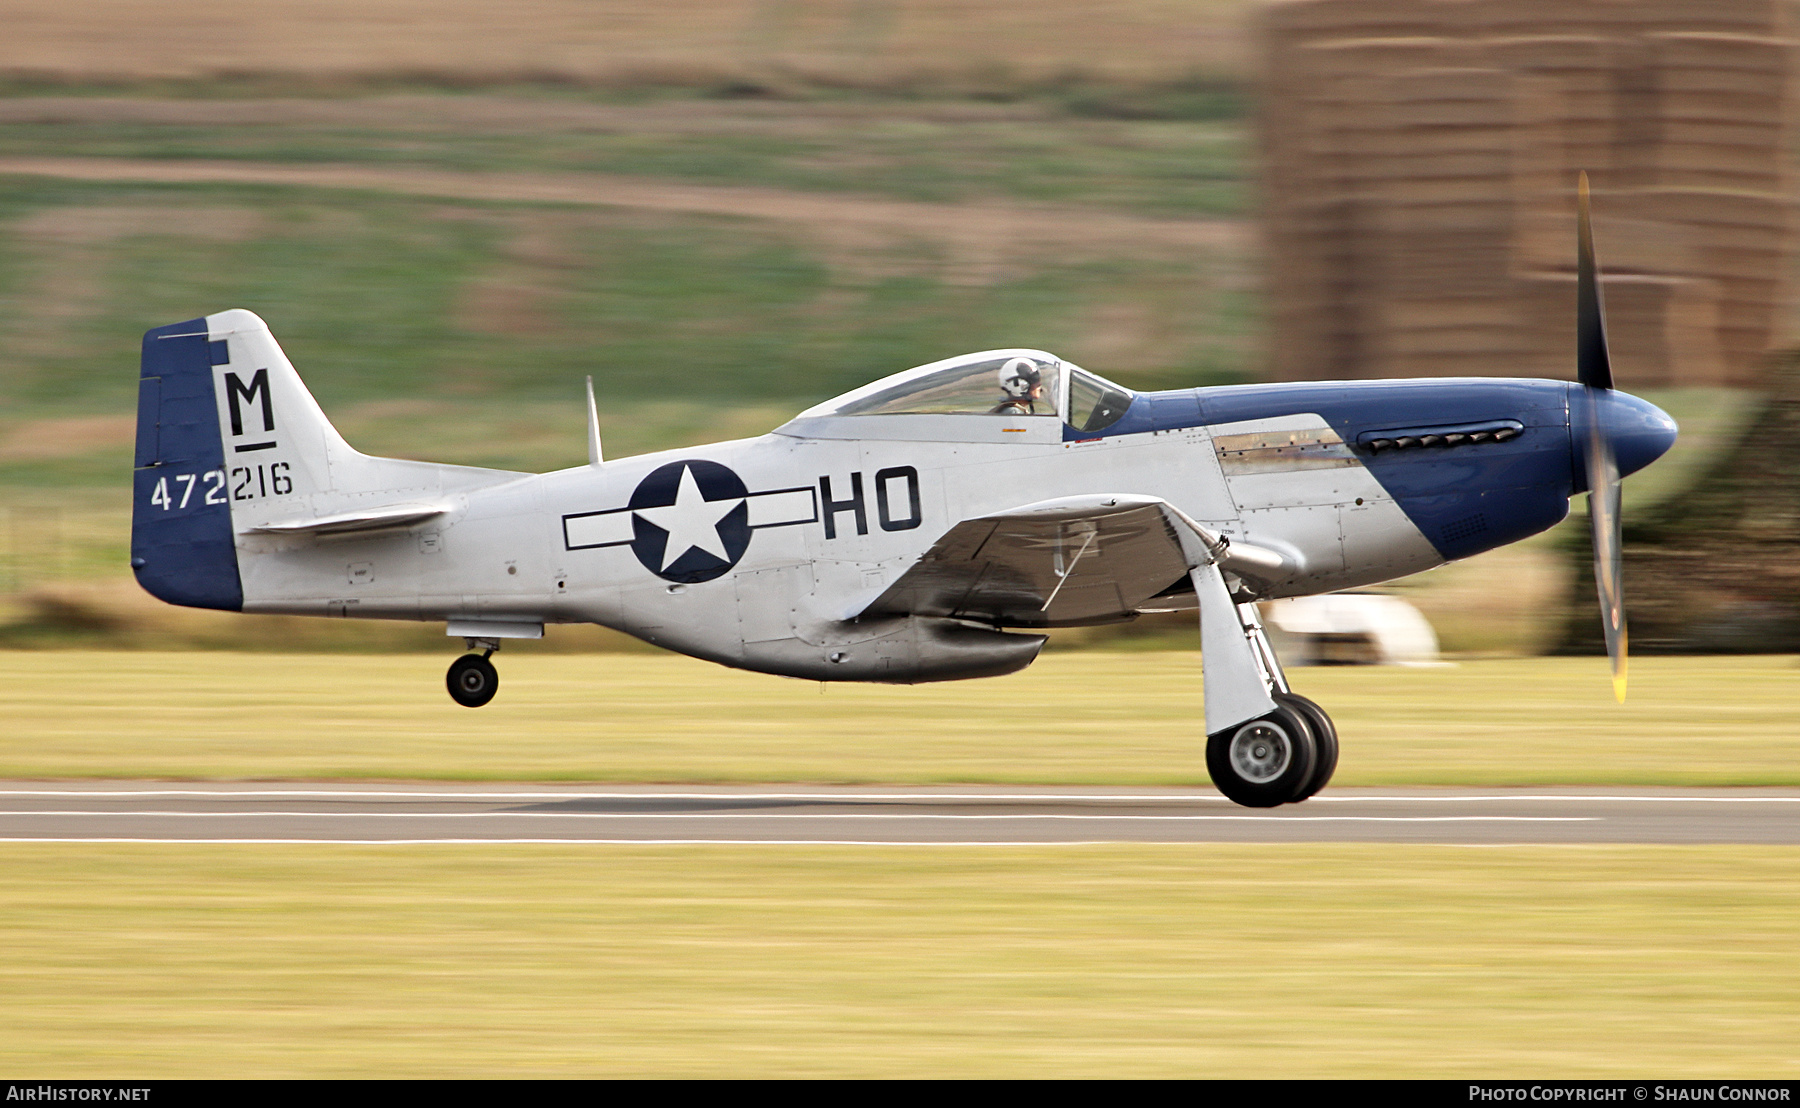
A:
{"x":926,"y":527}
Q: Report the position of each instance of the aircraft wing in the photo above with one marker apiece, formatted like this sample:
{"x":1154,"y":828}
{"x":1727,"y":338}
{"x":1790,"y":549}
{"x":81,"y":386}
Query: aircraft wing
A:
{"x":1060,"y":563}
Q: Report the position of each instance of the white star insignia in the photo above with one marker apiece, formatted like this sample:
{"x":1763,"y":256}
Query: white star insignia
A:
{"x":692,"y":522}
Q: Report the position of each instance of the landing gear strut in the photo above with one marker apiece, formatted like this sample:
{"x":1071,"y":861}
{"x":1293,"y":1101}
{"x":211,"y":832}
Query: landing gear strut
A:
{"x":1281,"y":757}
{"x":472,"y":679}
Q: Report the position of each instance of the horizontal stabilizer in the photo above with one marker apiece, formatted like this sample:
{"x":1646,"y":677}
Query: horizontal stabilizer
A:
{"x":367,"y":519}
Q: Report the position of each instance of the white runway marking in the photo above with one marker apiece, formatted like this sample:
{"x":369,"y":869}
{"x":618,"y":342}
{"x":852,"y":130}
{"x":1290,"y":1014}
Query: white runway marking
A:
{"x":578,"y":794}
{"x":1586,"y":797}
{"x":897,"y":816}
{"x":617,"y":842}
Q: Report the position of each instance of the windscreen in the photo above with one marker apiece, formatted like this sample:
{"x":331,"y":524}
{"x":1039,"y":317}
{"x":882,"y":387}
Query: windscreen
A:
{"x":1094,"y":404}
{"x":1013,"y":385}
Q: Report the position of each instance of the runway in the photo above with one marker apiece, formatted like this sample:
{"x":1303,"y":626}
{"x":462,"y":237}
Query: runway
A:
{"x":995,"y":815}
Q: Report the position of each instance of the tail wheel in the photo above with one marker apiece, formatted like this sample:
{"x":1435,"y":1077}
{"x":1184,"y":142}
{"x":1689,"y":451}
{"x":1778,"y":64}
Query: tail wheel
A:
{"x":1264,"y":762}
{"x":472,"y":680}
{"x":1325,"y":741}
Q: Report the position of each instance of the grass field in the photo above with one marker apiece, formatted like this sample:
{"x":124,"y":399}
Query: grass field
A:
{"x":911,"y":151}
{"x":1122,"y":961}
{"x":991,"y":46}
{"x":383,"y":297}
{"x":391,"y":297}
{"x":1076,"y":717}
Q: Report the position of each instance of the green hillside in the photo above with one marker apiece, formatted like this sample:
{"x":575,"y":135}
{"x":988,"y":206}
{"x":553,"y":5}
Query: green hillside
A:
{"x":714,"y":264}
{"x":379,"y":294}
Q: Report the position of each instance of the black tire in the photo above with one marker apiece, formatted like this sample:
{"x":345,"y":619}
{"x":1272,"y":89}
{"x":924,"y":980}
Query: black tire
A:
{"x":472,"y":681}
{"x":1325,"y":742}
{"x":1263,"y":762}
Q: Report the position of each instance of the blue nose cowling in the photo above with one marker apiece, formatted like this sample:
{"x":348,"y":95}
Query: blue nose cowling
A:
{"x":1640,"y":432}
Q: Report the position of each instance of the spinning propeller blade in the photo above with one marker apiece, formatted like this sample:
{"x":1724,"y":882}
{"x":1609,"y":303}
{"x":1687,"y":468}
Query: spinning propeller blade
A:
{"x":1593,"y":368}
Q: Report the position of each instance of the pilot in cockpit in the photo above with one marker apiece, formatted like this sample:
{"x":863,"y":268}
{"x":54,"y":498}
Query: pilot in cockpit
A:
{"x":1023,"y":383}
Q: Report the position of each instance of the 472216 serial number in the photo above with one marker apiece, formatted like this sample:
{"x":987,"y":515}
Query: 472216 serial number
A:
{"x":243,"y":482}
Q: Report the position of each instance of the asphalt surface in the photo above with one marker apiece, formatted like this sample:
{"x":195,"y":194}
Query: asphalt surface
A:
{"x":433,"y":813}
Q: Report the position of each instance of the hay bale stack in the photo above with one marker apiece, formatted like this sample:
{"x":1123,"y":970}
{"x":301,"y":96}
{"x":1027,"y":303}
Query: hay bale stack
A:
{"x":1420,"y":158}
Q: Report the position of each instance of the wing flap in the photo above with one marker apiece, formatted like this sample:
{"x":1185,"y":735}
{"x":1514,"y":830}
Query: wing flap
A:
{"x":1058,"y":563}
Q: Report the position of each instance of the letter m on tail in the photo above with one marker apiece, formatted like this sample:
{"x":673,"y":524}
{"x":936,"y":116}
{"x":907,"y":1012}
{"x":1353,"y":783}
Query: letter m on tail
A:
{"x":236,"y":390}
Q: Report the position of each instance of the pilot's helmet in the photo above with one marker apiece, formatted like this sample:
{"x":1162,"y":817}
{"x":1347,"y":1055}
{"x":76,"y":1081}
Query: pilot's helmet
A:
{"x":1019,"y":376}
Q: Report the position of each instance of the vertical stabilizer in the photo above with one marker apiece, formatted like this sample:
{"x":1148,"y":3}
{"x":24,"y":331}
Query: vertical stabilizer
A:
{"x":228,"y":436}
{"x":231,"y":448}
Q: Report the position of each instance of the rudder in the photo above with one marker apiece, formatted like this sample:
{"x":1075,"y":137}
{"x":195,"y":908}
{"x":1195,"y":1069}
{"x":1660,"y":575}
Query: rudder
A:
{"x":182,"y":547}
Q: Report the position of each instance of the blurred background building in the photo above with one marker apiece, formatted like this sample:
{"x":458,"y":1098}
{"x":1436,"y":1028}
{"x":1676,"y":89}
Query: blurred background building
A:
{"x":1419,"y":178}
{"x":1349,"y":628}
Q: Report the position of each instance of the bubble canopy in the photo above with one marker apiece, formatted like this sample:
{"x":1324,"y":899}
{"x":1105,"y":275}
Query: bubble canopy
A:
{"x":1010,"y":384}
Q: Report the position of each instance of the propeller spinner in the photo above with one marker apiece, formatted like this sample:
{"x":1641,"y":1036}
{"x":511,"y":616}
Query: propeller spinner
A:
{"x":1593,"y":368}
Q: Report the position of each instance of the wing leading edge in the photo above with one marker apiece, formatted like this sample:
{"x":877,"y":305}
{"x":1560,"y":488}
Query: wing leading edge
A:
{"x":1067,"y":562}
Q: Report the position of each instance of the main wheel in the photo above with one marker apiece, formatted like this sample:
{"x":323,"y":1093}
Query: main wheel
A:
{"x":472,"y":680}
{"x":1263,"y":762}
{"x":1325,"y":741}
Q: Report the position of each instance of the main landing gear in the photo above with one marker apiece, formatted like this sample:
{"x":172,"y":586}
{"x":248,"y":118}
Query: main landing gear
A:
{"x":1285,"y":756}
{"x":1282,"y":757}
{"x":472,"y":679}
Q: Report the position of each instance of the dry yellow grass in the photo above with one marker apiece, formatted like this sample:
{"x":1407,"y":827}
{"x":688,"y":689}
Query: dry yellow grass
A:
{"x":1121,"y":961}
{"x":856,"y":41}
{"x":1078,"y":717}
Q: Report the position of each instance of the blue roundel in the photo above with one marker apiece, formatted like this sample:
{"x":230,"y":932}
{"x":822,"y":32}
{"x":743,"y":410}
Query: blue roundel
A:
{"x":689,"y":521}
